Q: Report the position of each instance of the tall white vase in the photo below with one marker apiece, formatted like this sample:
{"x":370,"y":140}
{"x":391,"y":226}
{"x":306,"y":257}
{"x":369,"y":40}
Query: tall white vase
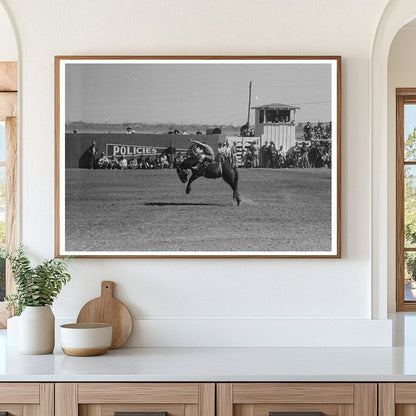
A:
{"x":37,"y":330}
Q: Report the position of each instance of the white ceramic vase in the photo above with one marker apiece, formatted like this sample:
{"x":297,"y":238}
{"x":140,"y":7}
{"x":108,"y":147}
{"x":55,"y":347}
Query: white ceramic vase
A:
{"x":37,"y":330}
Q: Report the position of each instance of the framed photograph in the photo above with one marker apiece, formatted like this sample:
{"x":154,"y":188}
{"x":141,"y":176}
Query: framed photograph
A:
{"x":198,"y":156}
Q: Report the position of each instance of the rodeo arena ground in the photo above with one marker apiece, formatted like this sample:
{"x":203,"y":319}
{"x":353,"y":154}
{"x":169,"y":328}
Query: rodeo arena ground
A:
{"x":125,"y":190}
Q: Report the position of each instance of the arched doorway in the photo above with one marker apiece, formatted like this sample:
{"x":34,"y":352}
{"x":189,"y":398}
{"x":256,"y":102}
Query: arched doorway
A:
{"x":401,"y":124}
{"x":397,"y":14}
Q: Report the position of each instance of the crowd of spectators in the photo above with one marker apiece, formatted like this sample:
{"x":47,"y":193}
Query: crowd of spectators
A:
{"x":317,"y":131}
{"x":227,"y":153}
{"x":161,"y":161}
{"x":169,"y":158}
{"x":315,"y":154}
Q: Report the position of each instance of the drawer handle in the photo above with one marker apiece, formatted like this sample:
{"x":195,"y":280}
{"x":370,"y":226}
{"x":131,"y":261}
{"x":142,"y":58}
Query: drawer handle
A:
{"x":139,"y":414}
{"x":295,"y":413}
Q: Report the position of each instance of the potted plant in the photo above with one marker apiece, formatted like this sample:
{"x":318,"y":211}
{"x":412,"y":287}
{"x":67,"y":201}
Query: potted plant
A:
{"x":36,"y":289}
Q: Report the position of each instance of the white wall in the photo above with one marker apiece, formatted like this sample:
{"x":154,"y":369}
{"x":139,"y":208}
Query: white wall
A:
{"x":8,"y":46}
{"x":203,"y":302}
{"x":401,"y":74}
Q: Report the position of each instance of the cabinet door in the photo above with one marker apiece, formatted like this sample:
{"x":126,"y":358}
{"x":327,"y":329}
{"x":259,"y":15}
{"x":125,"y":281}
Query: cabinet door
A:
{"x":142,"y":399}
{"x":297,"y":399}
{"x":26,"y":399}
{"x":397,"y":399}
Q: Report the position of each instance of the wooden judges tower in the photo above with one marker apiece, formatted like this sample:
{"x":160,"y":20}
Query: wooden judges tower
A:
{"x":276,"y":123}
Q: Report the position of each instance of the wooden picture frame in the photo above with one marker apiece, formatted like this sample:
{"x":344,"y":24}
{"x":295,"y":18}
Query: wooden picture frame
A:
{"x":270,"y":126}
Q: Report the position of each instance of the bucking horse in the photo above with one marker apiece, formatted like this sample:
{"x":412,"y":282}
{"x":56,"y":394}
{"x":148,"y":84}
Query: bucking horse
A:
{"x":212,"y":170}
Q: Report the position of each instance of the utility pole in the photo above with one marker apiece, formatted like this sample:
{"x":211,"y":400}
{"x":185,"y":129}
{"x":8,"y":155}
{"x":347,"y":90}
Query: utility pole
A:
{"x":249,"y":103}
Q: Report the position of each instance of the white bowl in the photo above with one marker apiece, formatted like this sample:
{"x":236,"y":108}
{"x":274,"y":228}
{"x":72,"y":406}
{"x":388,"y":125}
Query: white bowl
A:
{"x":84,"y":340}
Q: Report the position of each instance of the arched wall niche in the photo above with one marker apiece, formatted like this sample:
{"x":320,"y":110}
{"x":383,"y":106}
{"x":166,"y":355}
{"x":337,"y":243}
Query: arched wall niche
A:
{"x":396,"y":15}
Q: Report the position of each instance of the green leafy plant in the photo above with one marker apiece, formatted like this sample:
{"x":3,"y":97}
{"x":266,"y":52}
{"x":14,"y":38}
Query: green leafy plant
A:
{"x":35,"y":286}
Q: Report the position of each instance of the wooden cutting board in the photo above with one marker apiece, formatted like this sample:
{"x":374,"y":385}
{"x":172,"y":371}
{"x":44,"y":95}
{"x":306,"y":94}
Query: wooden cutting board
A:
{"x":107,"y":309}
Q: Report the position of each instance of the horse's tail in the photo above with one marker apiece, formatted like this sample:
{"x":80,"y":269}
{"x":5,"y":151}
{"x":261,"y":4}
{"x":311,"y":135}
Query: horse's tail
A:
{"x":236,"y":194}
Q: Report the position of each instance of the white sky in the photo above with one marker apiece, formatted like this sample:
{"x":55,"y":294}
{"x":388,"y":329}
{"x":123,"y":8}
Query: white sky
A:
{"x":208,"y":93}
{"x":409,"y":119}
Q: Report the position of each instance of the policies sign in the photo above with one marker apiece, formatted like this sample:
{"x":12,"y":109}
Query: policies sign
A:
{"x":119,"y":150}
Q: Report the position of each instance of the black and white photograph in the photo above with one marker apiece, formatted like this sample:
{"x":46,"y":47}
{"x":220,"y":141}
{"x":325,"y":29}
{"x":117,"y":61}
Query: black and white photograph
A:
{"x":197,"y":156}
